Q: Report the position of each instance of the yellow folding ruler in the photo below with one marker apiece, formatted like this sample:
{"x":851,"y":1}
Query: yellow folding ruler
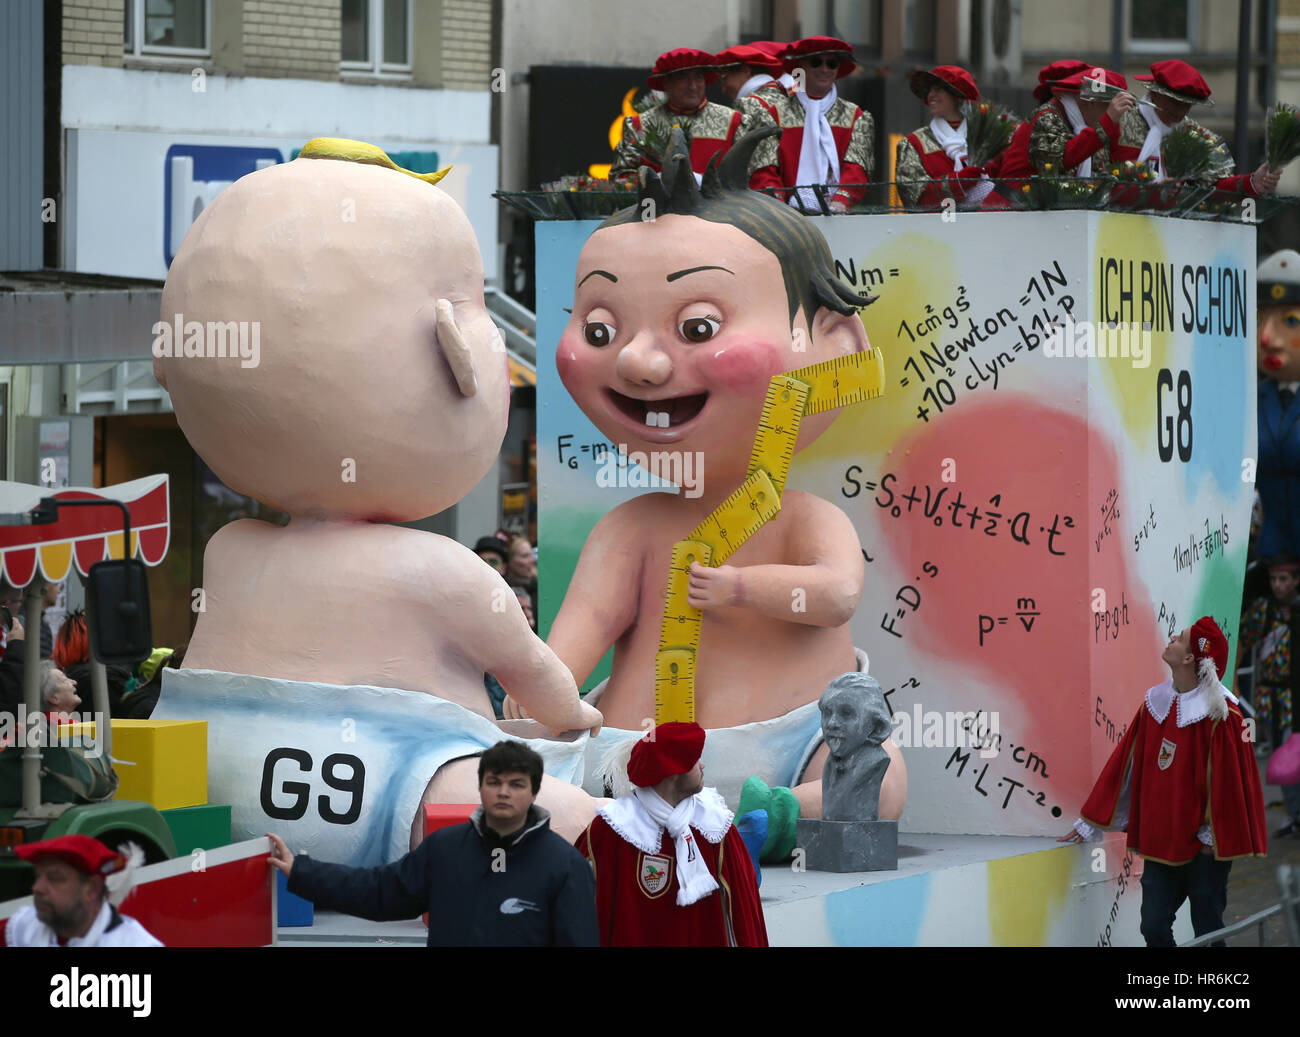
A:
{"x":809,"y":390}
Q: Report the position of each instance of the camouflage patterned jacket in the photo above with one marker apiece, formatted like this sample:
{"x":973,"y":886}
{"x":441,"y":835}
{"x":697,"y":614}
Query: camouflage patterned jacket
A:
{"x":1052,"y":142}
{"x":763,"y":107}
{"x":920,"y":157}
{"x":710,"y":131}
{"x":768,"y":97}
{"x":1133,"y":129}
{"x":1045,"y":139}
{"x":854,"y":131}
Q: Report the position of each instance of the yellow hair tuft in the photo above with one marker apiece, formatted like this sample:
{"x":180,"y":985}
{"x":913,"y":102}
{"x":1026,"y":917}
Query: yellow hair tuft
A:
{"x":359,"y":151}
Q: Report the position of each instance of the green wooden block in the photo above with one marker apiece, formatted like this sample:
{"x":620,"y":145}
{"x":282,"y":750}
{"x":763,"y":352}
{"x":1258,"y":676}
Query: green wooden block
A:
{"x":195,"y":828}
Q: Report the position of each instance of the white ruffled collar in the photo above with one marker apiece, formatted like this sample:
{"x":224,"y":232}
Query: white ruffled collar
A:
{"x":630,"y":821}
{"x":1193,"y":705}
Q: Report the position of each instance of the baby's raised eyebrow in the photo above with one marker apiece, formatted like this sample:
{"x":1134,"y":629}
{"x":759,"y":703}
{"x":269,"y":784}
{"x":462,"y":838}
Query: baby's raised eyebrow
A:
{"x":603,"y":273}
{"x":695,"y":270}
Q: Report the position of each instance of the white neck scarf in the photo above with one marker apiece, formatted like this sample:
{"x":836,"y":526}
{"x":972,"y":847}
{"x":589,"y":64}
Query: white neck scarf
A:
{"x":642,"y":817}
{"x":752,"y":84}
{"x":1158,"y":130}
{"x":1077,"y":125}
{"x":952,"y":140}
{"x":1208,"y":699}
{"x":819,"y":161}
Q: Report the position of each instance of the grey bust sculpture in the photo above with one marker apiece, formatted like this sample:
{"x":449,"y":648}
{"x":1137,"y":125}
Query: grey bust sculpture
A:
{"x":855,"y":721}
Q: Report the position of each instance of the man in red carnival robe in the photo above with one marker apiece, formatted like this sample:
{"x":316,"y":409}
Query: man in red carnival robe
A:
{"x":825,"y":139}
{"x":1174,"y":87}
{"x":1184,"y":782}
{"x":671,"y":869}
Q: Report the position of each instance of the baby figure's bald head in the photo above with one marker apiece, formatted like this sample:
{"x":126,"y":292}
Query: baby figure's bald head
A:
{"x":381,"y":389}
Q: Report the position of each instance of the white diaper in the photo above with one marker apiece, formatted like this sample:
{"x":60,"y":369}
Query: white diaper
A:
{"x":338,"y":772}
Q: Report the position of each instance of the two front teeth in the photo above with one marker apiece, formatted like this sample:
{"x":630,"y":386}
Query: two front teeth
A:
{"x":656,"y":419}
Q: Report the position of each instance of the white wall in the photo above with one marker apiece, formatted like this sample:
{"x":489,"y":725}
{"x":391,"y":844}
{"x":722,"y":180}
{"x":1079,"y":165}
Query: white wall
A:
{"x":168,"y":102}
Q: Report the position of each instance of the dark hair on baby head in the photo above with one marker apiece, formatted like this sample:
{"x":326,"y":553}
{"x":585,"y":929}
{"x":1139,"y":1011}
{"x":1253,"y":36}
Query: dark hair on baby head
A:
{"x":724,"y":197}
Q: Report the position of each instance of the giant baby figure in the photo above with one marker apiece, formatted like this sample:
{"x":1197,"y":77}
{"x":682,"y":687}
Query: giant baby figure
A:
{"x":339,"y":660}
{"x":679,"y":322}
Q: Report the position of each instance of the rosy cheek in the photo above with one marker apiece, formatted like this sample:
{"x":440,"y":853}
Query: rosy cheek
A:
{"x":741,"y":367}
{"x":576,"y":363}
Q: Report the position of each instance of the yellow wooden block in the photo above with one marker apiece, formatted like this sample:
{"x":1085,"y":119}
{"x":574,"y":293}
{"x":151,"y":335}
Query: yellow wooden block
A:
{"x":160,"y":762}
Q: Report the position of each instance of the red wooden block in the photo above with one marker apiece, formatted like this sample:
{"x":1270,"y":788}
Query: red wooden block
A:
{"x":213,"y":898}
{"x":444,"y":815}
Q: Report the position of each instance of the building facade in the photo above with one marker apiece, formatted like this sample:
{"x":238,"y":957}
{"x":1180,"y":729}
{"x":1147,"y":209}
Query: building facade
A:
{"x":131,"y":116}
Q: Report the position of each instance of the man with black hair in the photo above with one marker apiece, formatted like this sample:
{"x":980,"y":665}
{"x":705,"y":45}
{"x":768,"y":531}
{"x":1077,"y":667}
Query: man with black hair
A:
{"x":501,"y":879}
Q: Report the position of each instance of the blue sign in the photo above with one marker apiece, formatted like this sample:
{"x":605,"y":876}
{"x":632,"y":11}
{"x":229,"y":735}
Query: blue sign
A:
{"x":193,"y":175}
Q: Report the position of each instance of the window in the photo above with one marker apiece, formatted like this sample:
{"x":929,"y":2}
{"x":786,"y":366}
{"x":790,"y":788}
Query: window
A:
{"x":918,"y":27}
{"x":165,"y":28}
{"x":376,"y":36}
{"x":1161,"y":25}
{"x":756,"y":19}
{"x":858,"y":23}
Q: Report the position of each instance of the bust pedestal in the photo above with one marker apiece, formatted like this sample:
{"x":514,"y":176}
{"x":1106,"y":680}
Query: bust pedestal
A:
{"x":841,"y":846}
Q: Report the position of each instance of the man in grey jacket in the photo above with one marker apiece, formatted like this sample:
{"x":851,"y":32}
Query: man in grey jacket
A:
{"x":502,"y":879}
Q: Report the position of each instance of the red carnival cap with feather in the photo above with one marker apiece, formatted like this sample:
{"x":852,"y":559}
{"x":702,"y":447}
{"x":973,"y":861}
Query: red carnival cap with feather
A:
{"x":671,"y":748}
{"x":1207,"y":643}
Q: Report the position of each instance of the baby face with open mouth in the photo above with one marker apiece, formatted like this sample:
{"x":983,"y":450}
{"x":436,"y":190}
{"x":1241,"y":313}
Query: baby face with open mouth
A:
{"x":674,"y":347}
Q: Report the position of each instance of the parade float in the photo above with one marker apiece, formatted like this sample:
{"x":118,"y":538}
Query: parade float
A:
{"x":1056,"y":479}
{"x":1038,"y":458}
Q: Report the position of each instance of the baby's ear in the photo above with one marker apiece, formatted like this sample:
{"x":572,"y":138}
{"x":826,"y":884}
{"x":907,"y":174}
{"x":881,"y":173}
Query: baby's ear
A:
{"x":456,"y":349}
{"x":844,"y":333}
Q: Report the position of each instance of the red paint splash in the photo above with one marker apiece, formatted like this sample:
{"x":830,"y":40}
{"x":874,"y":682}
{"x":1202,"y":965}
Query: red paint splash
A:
{"x":1046,"y":676}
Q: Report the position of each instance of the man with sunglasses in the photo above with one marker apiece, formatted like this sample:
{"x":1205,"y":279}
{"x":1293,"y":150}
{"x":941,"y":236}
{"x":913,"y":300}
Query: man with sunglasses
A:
{"x":824,"y":138}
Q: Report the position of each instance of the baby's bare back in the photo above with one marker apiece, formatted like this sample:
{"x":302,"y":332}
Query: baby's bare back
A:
{"x":750,"y":666}
{"x":345,"y":604}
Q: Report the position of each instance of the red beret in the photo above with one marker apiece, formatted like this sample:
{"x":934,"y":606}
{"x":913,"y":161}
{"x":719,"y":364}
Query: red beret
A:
{"x":751,"y":56}
{"x":770,"y":47}
{"x":1049,"y":74}
{"x":1206,"y":641}
{"x":1084,"y":83}
{"x":954,"y":77}
{"x":89,"y":856}
{"x":672,"y":748}
{"x":683,"y":59}
{"x":1178,"y":80}
{"x":811,"y":45}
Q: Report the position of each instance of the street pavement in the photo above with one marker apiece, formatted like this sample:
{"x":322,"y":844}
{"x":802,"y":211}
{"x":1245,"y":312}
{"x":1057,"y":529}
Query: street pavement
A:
{"x":1252,"y":884}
